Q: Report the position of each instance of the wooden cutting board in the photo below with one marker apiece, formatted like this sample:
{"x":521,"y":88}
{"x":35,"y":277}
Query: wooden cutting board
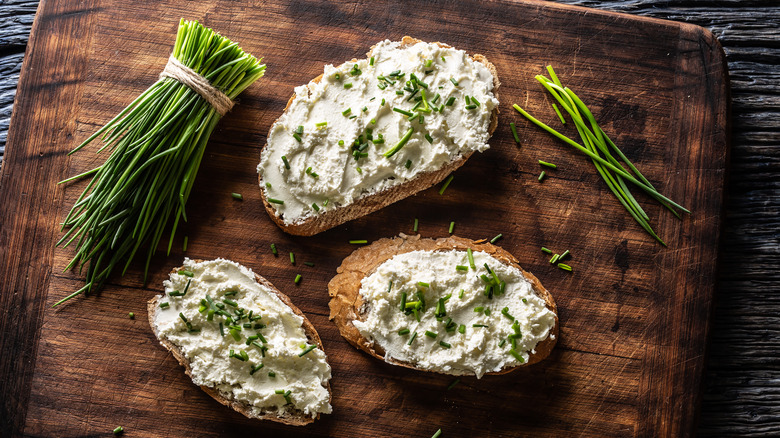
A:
{"x":634,"y":315}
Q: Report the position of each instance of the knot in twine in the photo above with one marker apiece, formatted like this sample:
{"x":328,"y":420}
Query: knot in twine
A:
{"x":189,"y":77}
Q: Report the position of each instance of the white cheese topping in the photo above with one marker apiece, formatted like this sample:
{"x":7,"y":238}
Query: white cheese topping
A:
{"x":478,"y":350}
{"x":347,"y":105}
{"x":208,"y":350}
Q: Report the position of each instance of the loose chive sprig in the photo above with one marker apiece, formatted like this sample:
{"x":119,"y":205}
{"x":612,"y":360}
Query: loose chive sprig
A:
{"x":614,"y":169}
{"x":156,"y":146}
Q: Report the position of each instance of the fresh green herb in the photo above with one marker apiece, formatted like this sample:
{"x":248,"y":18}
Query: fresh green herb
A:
{"x":479,"y":325}
{"x":444,"y":344}
{"x":186,"y":273}
{"x":501,"y":344}
{"x":454,"y":82}
{"x":564,"y":266}
{"x":358,"y":242}
{"x":550,"y":165}
{"x":403,"y":298}
{"x":255,"y":368}
{"x":271,"y":374}
{"x":436,"y":434}
{"x":371,"y":61}
{"x":429,"y":138}
{"x":555,"y":258}
{"x":286,"y":163}
{"x":355,"y":70}
{"x":446,"y":184}
{"x":514,"y":132}
{"x":471,"y":107}
{"x":298,"y":278}
{"x":450,"y":101}
{"x":414,"y":335}
{"x":274,"y":250}
{"x":275,"y":201}
{"x":348,"y":85}
{"x":404,"y":112}
{"x":416,"y":223}
{"x":164,"y":305}
{"x":292,"y":258}
{"x":310,"y":264}
{"x":230,"y":302}
{"x":462,"y":329}
{"x":403,"y":332}
{"x":184,"y":244}
{"x":495,"y":239}
{"x":131,"y":315}
{"x":565,"y":253}
{"x":560,"y":116}
{"x":461,"y":268}
{"x":346,"y":112}
{"x":516,"y":355}
{"x":431,"y":334}
{"x":156,"y":146}
{"x":308,"y":349}
{"x":600,"y":148}
{"x":471,"y":258}
{"x":460,"y":294}
{"x":452,"y":226}
{"x":546,"y":250}
{"x":408,"y":164}
{"x":118,"y":430}
{"x":237,"y":196}
{"x":321,"y":124}
{"x":541,"y":176}
{"x":400,"y":143}
{"x":505,"y":312}
{"x":315,"y":207}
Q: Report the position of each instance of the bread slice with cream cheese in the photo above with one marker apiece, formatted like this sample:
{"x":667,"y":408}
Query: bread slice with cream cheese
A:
{"x":422,"y":304}
{"x":340,"y":150}
{"x":243,"y":342}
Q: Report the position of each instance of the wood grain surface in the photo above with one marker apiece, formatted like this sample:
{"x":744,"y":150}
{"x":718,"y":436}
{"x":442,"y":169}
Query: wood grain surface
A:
{"x":633,"y":314}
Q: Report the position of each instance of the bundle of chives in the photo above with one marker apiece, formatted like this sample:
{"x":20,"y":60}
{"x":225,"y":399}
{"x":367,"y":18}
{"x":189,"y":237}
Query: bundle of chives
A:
{"x":599,"y":147}
{"x":156,"y":145}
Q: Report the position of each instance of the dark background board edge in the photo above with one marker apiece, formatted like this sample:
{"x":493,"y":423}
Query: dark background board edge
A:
{"x":19,"y":300}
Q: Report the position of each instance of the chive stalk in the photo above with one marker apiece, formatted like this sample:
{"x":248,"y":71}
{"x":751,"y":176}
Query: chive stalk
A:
{"x":401,"y":143}
{"x":446,"y":184}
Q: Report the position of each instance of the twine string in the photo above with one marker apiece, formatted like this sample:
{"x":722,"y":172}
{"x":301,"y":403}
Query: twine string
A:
{"x":176,"y":70}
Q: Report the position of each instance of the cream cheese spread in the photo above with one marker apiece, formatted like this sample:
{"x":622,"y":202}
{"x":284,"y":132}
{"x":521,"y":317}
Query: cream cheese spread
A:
{"x":254,"y":354}
{"x":476,"y":334}
{"x":330,"y":146}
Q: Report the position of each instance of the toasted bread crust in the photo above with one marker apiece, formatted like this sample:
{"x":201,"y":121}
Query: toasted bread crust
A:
{"x":346,"y":301}
{"x":373,"y":202}
{"x":295,"y":418}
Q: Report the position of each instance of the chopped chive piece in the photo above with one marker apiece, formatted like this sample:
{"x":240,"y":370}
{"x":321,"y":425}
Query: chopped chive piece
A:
{"x":309,"y":264}
{"x":414,"y":335}
{"x":479,"y":325}
{"x":462,"y":329}
{"x":399,"y":92}
{"x":452,"y":226}
{"x":355,"y":70}
{"x":408,"y":164}
{"x":118,"y":430}
{"x":423,"y":284}
{"x":450,"y":101}
{"x":470,"y":107}
{"x":495,"y":239}
{"x":186,"y":273}
{"x":454,"y":82}
{"x":348,"y":85}
{"x":274,"y":251}
{"x":275,"y":201}
{"x":560,"y":116}
{"x":371,"y":61}
{"x":565,"y":253}
{"x":325,"y":204}
{"x":436,"y":434}
{"x":404,"y":112}
{"x":315,"y":207}
{"x":403,"y":298}
{"x":452,"y":385}
{"x":286,"y":163}
{"x":255,"y":368}
{"x":271,"y":374}
{"x":517,"y":355}
{"x":550,"y":165}
{"x":341,"y":142}
{"x":460,"y":294}
{"x":461,"y":268}
{"x":555,"y":258}
{"x":346,"y":112}
{"x":403,"y":332}
{"x":501,"y":344}
{"x":279,"y":391}
{"x":321,"y":124}
{"x":546,"y":250}
{"x":541,"y":175}
{"x":564,"y":266}
{"x":514,"y":132}
{"x":431,"y":334}
{"x":292,"y":258}
{"x":358,"y":242}
{"x":479,"y":309}
{"x":474,"y":101}
{"x":164,"y":305}
{"x":268,"y":185}
{"x":298,"y":278}
{"x":373,"y":122}
{"x":235,"y":334}
{"x":310,"y":348}
{"x":444,"y":344}
{"x":400,"y":143}
{"x":131,"y":315}
{"x":230,"y":302}
{"x":237,"y":196}
{"x":429,"y":138}
{"x":297,"y":137}
{"x":365,"y":108}
{"x":505,"y":312}
{"x":471,"y":258}
{"x":184,"y":245}
{"x":416,"y":223}
{"x":525,"y":300}
{"x":436,"y":98}
{"x":446,"y":184}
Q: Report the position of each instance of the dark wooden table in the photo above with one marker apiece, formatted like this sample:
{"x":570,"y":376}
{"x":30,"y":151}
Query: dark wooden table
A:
{"x":742,"y":379}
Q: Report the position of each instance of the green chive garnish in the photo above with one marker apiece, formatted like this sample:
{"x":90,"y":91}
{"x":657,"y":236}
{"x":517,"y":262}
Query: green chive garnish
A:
{"x":348,"y":85}
{"x":514,"y":132}
{"x":479,"y":325}
{"x":400,"y":144}
{"x":164,"y":305}
{"x":416,"y":223}
{"x":255,"y":368}
{"x":273,"y":249}
{"x":541,"y":176}
{"x":461,"y":268}
{"x":446,"y":184}
{"x":297,"y":137}
{"x":452,"y":226}
{"x":184,"y":245}
{"x":118,"y":430}
{"x":403,"y":298}
{"x":371,"y":61}
{"x":309,"y":264}
{"x":346,"y":112}
{"x":298,"y":278}
{"x":275,"y":201}
{"x":517,"y":355}
{"x":286,"y":163}
{"x":555,"y":258}
{"x":404,"y":112}
{"x":565,"y":253}
{"x":444,"y":344}
{"x":495,"y":239}
{"x":501,"y":344}
{"x":292,"y":258}
{"x":470,"y":107}
{"x":321,"y":124}
{"x":450,"y":101}
{"x":550,"y":165}
{"x":460,"y":294}
{"x":237,"y":196}
{"x":560,"y":116}
{"x":429,"y":138}
{"x":437,"y":434}
{"x":310,"y":348}
{"x":403,"y":332}
{"x":546,"y":250}
{"x":408,"y":164}
{"x":454,"y":82}
{"x":462,"y":329}
{"x":131,"y":315}
{"x":431,"y":334}
{"x":423,"y":284}
{"x":452,"y":385}
{"x":564,"y":266}
{"x":414,"y":335}
{"x":471,"y":258}
{"x":358,"y":242}
{"x":271,"y":374}
{"x":315,"y":207}
{"x":186,"y":273}
{"x":230,"y":302}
